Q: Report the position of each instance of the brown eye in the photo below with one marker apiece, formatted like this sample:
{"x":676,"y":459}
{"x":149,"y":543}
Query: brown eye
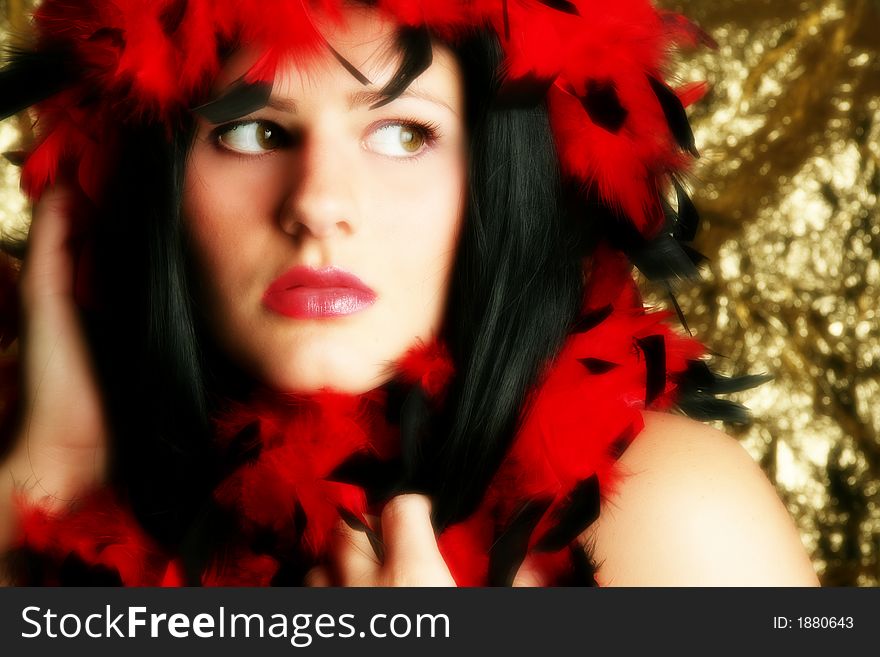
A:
{"x":397,"y":139}
{"x":267,"y":137}
{"x":251,"y":137}
{"x":411,"y":140}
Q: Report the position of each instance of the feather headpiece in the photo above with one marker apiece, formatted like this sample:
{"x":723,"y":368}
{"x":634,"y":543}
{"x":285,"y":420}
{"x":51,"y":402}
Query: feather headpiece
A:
{"x":620,"y":129}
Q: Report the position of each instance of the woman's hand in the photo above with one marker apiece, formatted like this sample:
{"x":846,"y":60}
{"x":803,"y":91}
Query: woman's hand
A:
{"x":60,"y":448}
{"x":411,"y":555}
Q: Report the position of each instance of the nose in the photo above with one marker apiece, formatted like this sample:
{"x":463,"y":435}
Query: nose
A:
{"x":321,"y":200}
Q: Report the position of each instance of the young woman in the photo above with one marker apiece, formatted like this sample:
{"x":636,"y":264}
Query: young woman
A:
{"x":339,"y":294}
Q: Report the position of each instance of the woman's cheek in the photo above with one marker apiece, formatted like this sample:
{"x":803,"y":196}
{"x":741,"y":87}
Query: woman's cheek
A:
{"x":426,"y":199}
{"x":224,"y":178}
{"x":424,"y":238}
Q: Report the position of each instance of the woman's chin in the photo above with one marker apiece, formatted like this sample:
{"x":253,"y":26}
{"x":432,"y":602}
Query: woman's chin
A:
{"x":352,"y":378}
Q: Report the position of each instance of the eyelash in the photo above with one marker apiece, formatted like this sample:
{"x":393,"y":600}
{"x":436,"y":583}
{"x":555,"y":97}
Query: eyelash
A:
{"x":430,"y":130}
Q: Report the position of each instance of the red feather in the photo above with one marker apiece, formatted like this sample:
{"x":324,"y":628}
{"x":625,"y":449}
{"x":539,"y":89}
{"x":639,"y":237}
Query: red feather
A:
{"x":100,"y":532}
{"x":428,"y":365}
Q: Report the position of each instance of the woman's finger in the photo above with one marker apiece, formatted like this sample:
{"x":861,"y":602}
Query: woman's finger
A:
{"x":407,"y":529}
{"x":412,"y":557}
{"x":48,"y":262}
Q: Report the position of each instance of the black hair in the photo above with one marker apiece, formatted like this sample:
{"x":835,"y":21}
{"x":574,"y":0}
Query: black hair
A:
{"x":145,"y":338}
{"x":517,"y":282}
{"x":516,"y":288}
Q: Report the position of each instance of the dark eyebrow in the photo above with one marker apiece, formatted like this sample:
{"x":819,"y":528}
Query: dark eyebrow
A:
{"x":282,"y":104}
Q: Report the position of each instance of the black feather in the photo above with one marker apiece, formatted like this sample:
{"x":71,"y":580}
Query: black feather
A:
{"x":597,"y":365}
{"x":699,"y":385}
{"x":348,"y":66}
{"x":172,"y":16}
{"x":415,"y":44}
{"x":583,"y":570}
{"x":521,"y":92}
{"x":112,"y":36}
{"x":688,"y":219}
{"x":75,"y":572}
{"x":579,"y":510}
{"x":661,"y":258}
{"x":678,"y":311}
{"x":654,"y":349}
{"x":15,"y":158}
{"x":603,"y":105}
{"x":415,"y":422}
{"x":360,"y":526}
{"x":621,"y":443}
{"x":676,"y":117}
{"x":379,"y":479}
{"x":561,"y":5}
{"x":300,"y":519}
{"x":704,"y":407}
{"x":31,"y":77}
{"x":664,"y":258}
{"x":509,"y":550}
{"x":699,"y":376}
{"x":696,"y":257}
{"x":591,"y":319}
{"x":238,"y":100}
{"x":408,"y":408}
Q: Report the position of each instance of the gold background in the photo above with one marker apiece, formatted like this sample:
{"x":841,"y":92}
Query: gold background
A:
{"x":788,"y":189}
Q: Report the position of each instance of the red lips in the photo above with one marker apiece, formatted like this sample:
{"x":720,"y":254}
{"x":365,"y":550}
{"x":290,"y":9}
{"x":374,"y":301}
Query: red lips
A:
{"x":306,"y":293}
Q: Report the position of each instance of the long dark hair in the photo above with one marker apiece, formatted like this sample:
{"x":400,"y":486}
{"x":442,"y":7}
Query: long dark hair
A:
{"x":517,"y":283}
{"x":516,"y":286}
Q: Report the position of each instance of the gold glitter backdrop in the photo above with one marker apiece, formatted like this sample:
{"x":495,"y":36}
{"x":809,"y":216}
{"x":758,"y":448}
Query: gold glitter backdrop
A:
{"x":788,"y":189}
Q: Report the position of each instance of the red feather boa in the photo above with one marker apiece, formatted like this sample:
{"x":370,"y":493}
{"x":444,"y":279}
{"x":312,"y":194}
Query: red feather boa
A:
{"x":579,"y":420}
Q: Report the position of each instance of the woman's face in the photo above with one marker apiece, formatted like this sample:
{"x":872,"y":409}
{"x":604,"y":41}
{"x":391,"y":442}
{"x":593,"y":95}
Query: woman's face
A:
{"x":323,"y":231}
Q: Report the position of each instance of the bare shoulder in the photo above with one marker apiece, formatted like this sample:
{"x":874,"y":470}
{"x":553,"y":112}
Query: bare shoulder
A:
{"x":693,"y":509}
